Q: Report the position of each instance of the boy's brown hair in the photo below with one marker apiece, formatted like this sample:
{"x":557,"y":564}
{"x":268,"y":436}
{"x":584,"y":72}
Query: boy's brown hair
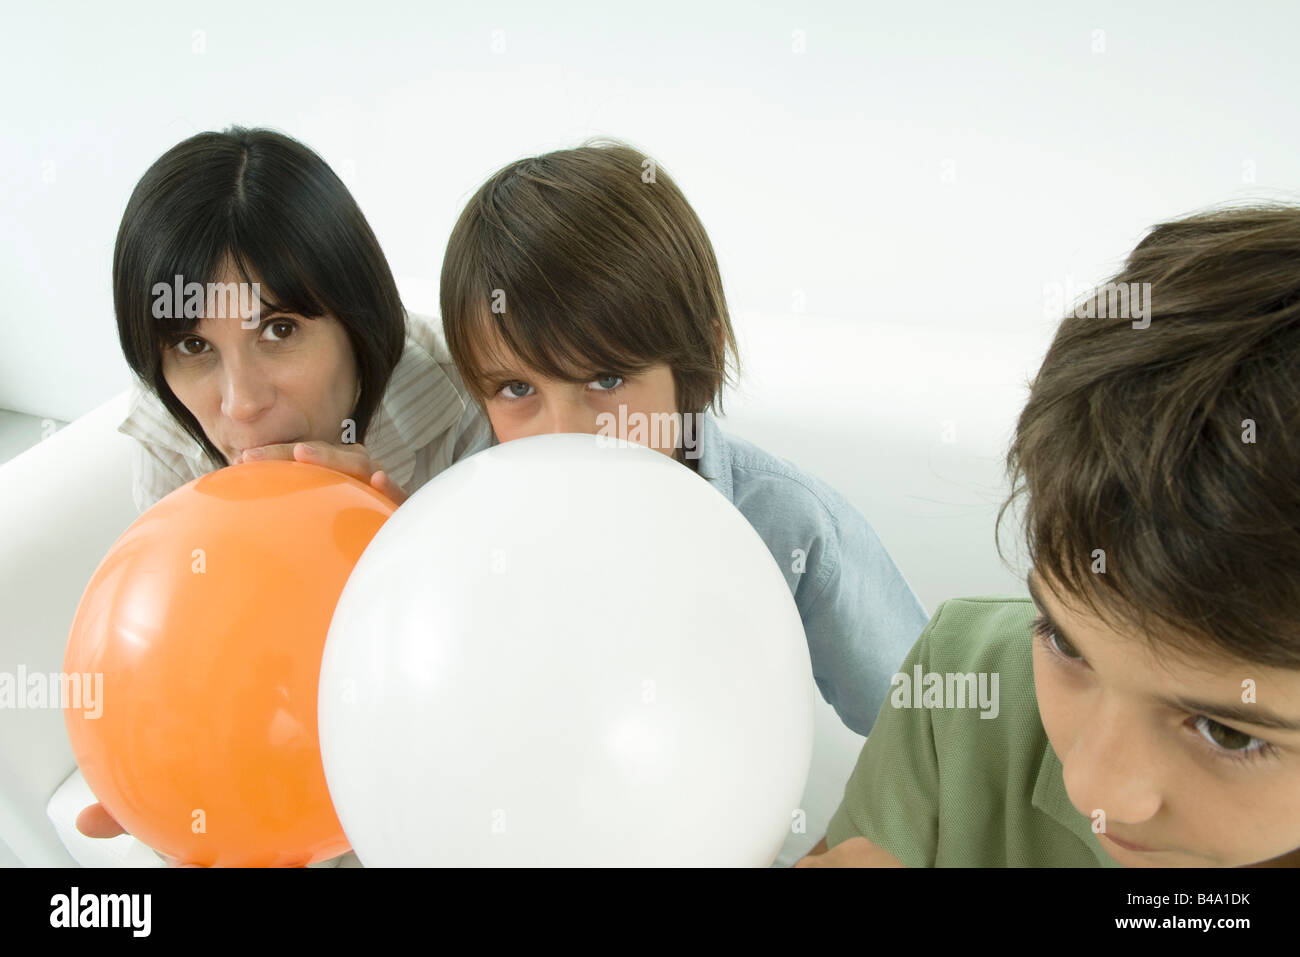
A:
{"x":587,"y":261}
{"x":1175,"y":448}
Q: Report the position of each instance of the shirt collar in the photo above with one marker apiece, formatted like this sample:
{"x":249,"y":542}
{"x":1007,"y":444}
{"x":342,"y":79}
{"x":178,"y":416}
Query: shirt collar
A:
{"x":149,"y":422}
{"x":714,"y":462}
{"x":420,"y":403}
{"x":1051,"y":798}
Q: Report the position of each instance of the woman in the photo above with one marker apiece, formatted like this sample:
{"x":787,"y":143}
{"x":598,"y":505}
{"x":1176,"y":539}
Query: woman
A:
{"x":322,"y":355}
{"x":258,"y":313}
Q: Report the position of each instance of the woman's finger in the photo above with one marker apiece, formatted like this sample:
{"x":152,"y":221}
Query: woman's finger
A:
{"x":266,"y":452}
{"x":351,"y":460}
{"x":386,"y":486}
{"x":95,"y":821}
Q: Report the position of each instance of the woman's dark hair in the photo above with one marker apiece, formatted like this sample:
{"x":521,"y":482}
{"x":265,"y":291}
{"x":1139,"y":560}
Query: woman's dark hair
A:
{"x":585,"y":260}
{"x":1171,"y":443}
{"x":267,"y":205}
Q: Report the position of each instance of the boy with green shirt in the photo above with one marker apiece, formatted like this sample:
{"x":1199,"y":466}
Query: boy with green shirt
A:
{"x":1148,"y":698}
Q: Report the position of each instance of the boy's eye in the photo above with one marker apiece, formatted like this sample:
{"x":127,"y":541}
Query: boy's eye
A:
{"x":607,"y":383}
{"x":1055,"y":641}
{"x":515,"y":390}
{"x":1225,"y":738}
{"x":1063,"y":645}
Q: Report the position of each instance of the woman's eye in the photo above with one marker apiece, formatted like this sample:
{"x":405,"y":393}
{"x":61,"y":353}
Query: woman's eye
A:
{"x":1225,"y":738}
{"x":515,"y":390}
{"x":607,"y":383}
{"x":283,"y":329}
{"x":183,"y":344}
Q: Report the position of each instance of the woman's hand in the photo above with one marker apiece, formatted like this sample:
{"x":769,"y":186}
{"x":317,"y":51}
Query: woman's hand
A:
{"x":95,"y":821}
{"x":351,"y":460}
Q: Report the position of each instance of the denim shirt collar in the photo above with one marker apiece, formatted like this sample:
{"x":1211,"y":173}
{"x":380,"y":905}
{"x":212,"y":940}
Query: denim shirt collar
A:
{"x":714,"y":462}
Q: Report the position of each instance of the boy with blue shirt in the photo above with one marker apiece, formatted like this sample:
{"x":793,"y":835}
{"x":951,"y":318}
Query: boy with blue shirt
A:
{"x":580,"y":293}
{"x":856,"y":607}
{"x":1150,"y":685}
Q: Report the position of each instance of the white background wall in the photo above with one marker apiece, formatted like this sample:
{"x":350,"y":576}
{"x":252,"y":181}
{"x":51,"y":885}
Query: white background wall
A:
{"x":919,"y":163}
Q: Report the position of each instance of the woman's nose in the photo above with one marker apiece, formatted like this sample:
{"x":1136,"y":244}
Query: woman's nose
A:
{"x":245,"y":393}
{"x":1113,"y":766}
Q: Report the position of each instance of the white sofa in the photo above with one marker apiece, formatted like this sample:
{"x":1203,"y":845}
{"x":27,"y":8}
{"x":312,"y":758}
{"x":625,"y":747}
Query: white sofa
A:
{"x":909,"y":422}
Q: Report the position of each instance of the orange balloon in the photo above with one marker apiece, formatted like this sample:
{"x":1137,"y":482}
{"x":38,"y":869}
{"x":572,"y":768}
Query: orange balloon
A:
{"x":207,"y":620}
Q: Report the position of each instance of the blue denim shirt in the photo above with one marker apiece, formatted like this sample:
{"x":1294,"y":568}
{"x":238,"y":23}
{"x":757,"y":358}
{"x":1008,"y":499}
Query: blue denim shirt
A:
{"x":860,"y":615}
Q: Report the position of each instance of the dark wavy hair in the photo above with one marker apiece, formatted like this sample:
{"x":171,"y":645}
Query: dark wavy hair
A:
{"x":1175,"y":448}
{"x":270,"y":207}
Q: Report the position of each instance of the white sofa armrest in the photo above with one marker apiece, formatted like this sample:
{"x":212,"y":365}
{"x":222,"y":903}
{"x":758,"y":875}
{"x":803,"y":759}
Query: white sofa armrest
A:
{"x":121,"y":851}
{"x":63,"y":503}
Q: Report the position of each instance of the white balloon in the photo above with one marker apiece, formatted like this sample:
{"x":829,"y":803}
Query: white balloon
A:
{"x":566,"y":650}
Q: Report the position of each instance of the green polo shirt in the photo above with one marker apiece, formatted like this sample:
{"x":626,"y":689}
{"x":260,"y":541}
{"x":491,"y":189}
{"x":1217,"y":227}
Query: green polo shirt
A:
{"x":937,"y":785}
